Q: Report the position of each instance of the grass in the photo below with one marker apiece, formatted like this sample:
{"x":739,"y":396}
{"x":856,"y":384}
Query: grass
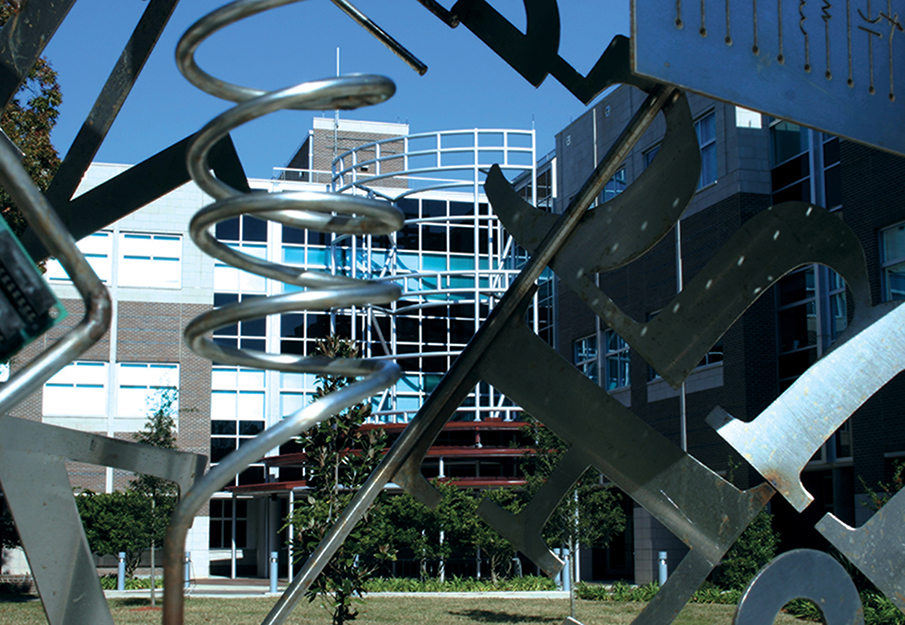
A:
{"x":379,"y":610}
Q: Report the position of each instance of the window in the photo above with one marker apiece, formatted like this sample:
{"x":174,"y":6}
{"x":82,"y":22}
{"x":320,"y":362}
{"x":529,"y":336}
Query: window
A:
{"x":233,"y":280}
{"x":248,"y":229}
{"x":139,"y":387}
{"x":650,"y":154}
{"x":812,"y":312}
{"x":586,"y":356}
{"x":614,"y":186}
{"x":838,"y":308}
{"x":787,"y":140}
{"x":77,"y":396}
{"x":150,"y":260}
{"x":705,"y":129}
{"x":237,"y":413}
{"x":832,"y":172}
{"x":221,"y":528}
{"x":714,"y":355}
{"x":617,"y":361}
{"x":798,"y":329}
{"x":296,"y":392}
{"x":892,"y":262}
{"x":790,"y":160}
{"x":97,"y":248}
{"x":746,"y":118}
{"x":245,"y":334}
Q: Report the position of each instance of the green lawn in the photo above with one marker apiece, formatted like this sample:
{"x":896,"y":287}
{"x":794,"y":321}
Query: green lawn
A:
{"x":434,"y":610}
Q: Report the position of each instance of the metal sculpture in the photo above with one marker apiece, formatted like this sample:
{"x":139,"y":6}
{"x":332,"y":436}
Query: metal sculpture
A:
{"x":701,"y":508}
{"x":324,"y":212}
{"x":832,"y":66}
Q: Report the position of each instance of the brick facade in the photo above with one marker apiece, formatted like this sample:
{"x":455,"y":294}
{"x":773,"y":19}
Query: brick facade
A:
{"x":747,"y":379}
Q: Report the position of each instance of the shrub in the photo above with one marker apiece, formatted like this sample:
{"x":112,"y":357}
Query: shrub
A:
{"x":458,"y":584}
{"x":108,"y":582}
{"x":753,"y":550}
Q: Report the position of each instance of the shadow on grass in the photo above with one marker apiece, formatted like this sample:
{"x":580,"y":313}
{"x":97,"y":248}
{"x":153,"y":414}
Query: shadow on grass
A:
{"x":490,"y":616}
{"x":14,"y":597}
{"x":128,"y":602}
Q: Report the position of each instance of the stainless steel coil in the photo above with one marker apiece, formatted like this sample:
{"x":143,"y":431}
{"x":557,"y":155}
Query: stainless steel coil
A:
{"x":324,"y":212}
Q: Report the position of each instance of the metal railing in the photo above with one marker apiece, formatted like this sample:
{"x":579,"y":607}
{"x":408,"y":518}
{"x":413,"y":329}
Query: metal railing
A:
{"x":446,"y":165}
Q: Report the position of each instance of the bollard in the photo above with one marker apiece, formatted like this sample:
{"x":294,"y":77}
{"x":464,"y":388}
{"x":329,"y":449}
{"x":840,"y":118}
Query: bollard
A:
{"x":567,"y":570}
{"x":517,"y":565}
{"x":663,"y":571}
{"x":121,"y":571}
{"x":188,"y":568}
{"x":274,"y":559}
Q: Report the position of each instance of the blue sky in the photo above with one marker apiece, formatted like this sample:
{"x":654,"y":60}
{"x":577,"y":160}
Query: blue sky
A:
{"x":466,"y":86}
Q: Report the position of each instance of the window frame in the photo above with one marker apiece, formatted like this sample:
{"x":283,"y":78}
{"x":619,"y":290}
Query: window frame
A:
{"x":148,"y":276}
{"x":584,"y":361}
{"x":886,"y":263}
{"x":621,"y":355}
{"x":708,"y":149}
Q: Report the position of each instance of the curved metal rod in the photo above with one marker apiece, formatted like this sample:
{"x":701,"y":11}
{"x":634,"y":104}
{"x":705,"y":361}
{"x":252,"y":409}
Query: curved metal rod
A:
{"x":382,"y":375}
{"x":433,"y":414}
{"x":345,"y":215}
{"x":49,"y":229}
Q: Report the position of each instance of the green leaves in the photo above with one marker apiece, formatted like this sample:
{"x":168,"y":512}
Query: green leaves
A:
{"x":131,"y":521}
{"x":116,"y":522}
{"x":590,"y":513}
{"x":28,"y":126}
{"x":341,"y":453}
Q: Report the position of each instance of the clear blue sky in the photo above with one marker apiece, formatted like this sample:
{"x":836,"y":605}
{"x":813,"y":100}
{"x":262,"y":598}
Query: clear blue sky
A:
{"x":466,"y":86}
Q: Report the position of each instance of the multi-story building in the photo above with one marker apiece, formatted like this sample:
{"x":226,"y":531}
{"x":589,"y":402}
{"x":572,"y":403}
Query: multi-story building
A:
{"x":749,"y":162}
{"x":158,"y":280}
{"x":452,"y":259}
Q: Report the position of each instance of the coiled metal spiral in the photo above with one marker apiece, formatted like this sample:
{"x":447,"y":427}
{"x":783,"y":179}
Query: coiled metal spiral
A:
{"x":324,"y":212}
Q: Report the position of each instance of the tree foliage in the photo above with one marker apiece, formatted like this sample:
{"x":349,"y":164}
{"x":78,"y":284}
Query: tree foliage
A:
{"x":453,"y":528}
{"x":133,"y":520}
{"x":885,"y":491}
{"x":28,"y":121}
{"x":9,"y":537}
{"x":590,"y":514}
{"x":159,"y":431}
{"x":340,"y":457}
{"x":752,"y":550}
{"x":116,"y":522}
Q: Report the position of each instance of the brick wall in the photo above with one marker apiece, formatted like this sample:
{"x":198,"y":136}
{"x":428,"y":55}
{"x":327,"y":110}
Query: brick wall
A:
{"x":872,"y":200}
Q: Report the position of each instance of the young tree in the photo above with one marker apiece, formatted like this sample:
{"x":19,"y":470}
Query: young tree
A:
{"x":495,"y":550}
{"x":340,"y":457}
{"x":135,"y":520}
{"x":159,"y":431}
{"x":590,"y":513}
{"x":28,"y":125}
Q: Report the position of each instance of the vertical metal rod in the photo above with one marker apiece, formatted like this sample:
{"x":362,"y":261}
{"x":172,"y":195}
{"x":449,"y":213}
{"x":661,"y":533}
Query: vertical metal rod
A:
{"x":680,"y":284}
{"x":430,"y":419}
{"x":232,"y":531}
{"x":291,"y":532}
